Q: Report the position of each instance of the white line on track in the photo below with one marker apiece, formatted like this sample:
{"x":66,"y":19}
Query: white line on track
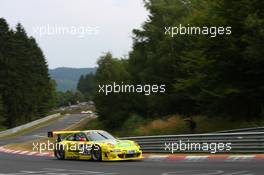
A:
{"x":54,"y":171}
{"x":208,"y":172}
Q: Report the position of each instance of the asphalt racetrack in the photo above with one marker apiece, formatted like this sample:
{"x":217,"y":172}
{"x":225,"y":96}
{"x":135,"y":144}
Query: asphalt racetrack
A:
{"x":16,"y":164}
{"x":22,"y":165}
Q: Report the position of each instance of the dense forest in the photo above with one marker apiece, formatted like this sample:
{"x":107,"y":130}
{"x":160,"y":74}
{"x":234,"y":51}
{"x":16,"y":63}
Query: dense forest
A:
{"x":220,"y":76}
{"x":26,"y":90}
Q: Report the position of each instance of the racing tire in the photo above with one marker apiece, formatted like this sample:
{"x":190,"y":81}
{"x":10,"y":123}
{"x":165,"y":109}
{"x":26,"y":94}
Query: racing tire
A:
{"x":60,"y":153}
{"x":96,"y":153}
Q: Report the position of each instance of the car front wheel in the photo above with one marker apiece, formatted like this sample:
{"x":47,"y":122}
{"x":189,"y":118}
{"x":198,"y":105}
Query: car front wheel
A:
{"x":97,"y":153}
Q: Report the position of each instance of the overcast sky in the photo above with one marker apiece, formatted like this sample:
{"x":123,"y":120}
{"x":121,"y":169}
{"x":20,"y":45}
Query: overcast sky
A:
{"x":74,"y":33}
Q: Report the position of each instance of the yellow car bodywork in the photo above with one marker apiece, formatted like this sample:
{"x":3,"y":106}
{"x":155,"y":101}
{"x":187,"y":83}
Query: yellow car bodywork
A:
{"x":110,"y":149}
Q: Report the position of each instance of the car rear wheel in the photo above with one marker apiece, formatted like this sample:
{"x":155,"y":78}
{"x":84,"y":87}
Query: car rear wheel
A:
{"x":60,"y":153}
{"x":97,"y":153}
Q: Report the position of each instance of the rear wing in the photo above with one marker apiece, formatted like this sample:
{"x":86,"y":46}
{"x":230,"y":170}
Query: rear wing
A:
{"x":59,"y":133}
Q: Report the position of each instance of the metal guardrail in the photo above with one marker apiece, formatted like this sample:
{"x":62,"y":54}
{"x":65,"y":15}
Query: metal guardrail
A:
{"x":255,"y":129}
{"x":246,"y":142}
{"x":28,"y":125}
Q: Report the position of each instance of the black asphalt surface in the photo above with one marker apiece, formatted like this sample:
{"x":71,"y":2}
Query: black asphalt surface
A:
{"x":16,"y":164}
{"x":21,"y":165}
{"x":42,"y":132}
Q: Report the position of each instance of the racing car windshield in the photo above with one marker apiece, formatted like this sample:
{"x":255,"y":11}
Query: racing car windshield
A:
{"x":99,"y":135}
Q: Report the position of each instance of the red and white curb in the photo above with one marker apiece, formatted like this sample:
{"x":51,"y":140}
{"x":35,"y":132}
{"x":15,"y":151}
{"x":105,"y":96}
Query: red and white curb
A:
{"x":156,"y":157}
{"x":199,"y":158}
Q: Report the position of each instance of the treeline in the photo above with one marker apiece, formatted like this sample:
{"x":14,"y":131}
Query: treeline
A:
{"x":69,"y":98}
{"x":26,"y":90}
{"x":86,"y":85}
{"x":218,"y":76}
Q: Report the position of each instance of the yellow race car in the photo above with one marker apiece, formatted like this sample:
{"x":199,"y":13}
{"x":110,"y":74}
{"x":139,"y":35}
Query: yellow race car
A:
{"x":96,"y":145}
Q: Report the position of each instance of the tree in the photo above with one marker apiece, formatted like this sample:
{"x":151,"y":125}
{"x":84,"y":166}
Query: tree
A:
{"x":227,"y":76}
{"x":157,"y":58}
{"x":87,"y":86}
{"x":115,"y":106}
{"x":26,"y":88}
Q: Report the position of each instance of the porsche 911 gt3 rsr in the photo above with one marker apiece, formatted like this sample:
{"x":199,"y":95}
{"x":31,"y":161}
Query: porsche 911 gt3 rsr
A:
{"x":97,"y":145}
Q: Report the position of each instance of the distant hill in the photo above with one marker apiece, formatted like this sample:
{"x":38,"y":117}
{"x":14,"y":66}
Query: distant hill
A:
{"x":67,"y":78}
